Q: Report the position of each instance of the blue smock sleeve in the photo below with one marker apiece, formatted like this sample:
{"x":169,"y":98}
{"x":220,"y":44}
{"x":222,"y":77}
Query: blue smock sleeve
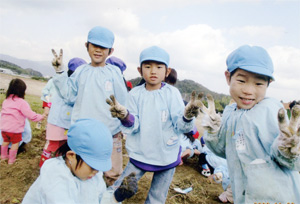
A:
{"x":67,"y":87}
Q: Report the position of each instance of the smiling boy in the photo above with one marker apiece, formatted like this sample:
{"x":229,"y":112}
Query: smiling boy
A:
{"x":262,"y":167}
{"x":91,"y":84}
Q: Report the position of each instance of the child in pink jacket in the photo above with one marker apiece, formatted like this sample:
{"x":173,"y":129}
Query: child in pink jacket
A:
{"x":14,"y":112}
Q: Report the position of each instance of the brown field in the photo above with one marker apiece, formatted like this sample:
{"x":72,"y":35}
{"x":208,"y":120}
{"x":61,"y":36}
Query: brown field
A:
{"x":17,"y":178}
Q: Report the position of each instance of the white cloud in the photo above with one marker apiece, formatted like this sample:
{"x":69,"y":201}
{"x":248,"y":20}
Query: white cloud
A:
{"x":30,"y":29}
{"x":286,"y":62}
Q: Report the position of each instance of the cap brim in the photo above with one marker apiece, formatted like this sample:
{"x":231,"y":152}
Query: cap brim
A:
{"x":257,"y":70}
{"x":98,"y":164}
{"x":155,"y":59}
{"x":99,"y":43}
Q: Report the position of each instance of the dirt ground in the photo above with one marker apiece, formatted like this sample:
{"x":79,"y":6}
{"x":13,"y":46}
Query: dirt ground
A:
{"x":16,"y":179}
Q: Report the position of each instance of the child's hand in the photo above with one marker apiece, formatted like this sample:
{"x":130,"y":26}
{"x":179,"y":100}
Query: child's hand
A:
{"x":289,"y":138}
{"x":192,"y":108}
{"x":57,"y":61}
{"x":127,"y":189}
{"x":211,"y":121}
{"x":116,"y":109}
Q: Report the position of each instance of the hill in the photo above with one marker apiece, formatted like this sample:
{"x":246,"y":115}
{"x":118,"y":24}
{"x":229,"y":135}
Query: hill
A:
{"x":186,"y":87}
{"x":19,"y":70}
{"x":44,"y":67}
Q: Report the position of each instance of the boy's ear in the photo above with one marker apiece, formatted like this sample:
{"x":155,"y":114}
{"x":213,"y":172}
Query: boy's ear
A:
{"x":168,"y":71}
{"x":140,"y":71}
{"x":71,"y":155}
{"x":227,"y":75}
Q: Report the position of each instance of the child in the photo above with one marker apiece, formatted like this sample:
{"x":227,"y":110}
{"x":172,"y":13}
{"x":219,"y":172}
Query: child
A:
{"x":26,"y":137}
{"x":47,"y":93}
{"x":91,"y":84}
{"x":190,"y":145}
{"x":155,"y":118}
{"x":215,"y":168}
{"x":119,"y":63}
{"x":14,"y":112}
{"x":76,"y":175}
{"x":59,"y":119}
{"x":263,"y":158}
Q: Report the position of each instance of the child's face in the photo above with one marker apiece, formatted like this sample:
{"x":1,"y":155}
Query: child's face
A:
{"x":153,"y":73}
{"x":246,"y":88}
{"x":98,"y":54}
{"x":83,"y":170}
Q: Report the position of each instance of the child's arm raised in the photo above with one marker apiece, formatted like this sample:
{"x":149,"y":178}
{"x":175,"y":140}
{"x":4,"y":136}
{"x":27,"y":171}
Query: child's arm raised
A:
{"x":289,"y":138}
{"x":57,"y":61}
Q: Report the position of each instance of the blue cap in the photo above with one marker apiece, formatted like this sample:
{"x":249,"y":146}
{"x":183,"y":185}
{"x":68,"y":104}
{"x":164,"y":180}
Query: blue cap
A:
{"x":75,"y":62}
{"x":92,"y":141}
{"x":101,"y":36}
{"x":155,"y":53}
{"x":117,"y":62}
{"x":252,"y":59}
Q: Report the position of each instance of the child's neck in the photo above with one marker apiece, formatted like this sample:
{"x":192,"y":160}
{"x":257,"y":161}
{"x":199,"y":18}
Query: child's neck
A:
{"x":150,"y":87}
{"x":102,"y":64}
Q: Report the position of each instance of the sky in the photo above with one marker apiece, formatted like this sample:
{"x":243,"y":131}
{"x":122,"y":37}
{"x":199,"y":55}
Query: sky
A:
{"x":198,"y":34}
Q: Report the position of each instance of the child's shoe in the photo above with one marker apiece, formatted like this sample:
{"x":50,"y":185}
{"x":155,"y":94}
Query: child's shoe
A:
{"x":12,"y":156}
{"x":4,"y":155}
{"x":205,"y":170}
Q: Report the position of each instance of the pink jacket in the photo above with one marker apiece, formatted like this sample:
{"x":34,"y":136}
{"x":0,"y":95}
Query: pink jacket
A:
{"x":13,"y":114}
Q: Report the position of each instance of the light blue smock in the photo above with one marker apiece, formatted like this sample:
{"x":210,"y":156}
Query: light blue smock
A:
{"x":219,"y":164}
{"x":258,"y":172}
{"x":158,"y":120}
{"x":61,"y":111}
{"x":56,"y":184}
{"x":48,"y":90}
{"x":88,"y":88}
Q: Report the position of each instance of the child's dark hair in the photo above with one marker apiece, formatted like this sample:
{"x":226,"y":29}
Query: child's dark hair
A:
{"x":70,"y":72}
{"x":172,"y":77}
{"x":17,"y":87}
{"x":189,"y":135}
{"x":232,"y":73}
{"x":293,"y":103}
{"x":62,"y":151}
{"x":87,"y":46}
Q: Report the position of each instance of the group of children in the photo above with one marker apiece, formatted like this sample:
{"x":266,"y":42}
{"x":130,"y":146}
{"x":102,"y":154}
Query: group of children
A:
{"x":261,"y":155}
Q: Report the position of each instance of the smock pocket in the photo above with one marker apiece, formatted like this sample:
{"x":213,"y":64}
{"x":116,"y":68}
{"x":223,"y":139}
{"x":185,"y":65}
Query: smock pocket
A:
{"x":265,"y":182}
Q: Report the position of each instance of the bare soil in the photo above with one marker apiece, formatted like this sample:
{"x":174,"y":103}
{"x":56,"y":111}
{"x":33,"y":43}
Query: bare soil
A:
{"x":16,"y":179}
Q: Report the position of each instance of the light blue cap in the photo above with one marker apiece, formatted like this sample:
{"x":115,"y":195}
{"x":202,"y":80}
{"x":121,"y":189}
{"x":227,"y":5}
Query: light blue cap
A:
{"x":92,"y":141}
{"x":155,"y":53}
{"x":101,"y":36}
{"x":252,"y":59}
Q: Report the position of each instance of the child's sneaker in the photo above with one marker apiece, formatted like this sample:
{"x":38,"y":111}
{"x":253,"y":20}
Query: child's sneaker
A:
{"x":205,"y":170}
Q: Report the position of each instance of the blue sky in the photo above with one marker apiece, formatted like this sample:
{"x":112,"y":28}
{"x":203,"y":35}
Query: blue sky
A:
{"x":198,"y":34}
